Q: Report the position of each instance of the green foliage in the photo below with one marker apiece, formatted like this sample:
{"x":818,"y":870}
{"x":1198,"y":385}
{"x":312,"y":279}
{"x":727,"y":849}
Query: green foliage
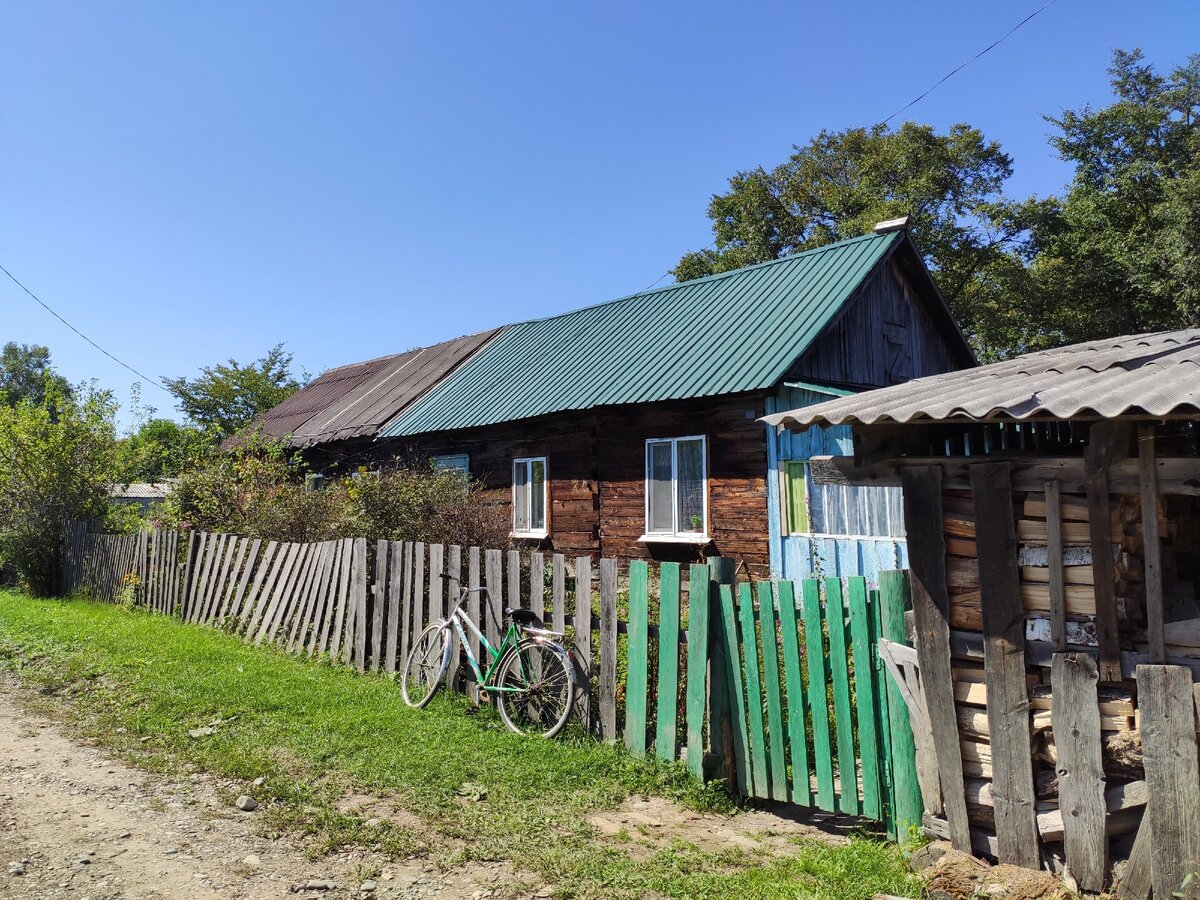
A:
{"x":26,"y":374}
{"x":227,"y":397}
{"x":256,"y":488}
{"x":160,"y":449}
{"x":56,"y":463}
{"x":1121,"y":253}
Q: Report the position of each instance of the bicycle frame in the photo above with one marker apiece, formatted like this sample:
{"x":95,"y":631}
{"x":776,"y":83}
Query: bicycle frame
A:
{"x":511,"y":637}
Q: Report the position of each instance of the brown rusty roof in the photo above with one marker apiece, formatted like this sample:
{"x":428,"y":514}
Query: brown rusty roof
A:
{"x":1148,"y":375}
{"x":355,"y":400}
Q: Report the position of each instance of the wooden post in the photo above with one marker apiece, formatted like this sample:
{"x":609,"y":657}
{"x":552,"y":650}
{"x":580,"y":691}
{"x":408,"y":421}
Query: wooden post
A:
{"x":931,"y":607}
{"x":1172,"y":775}
{"x":608,"y":649}
{"x":1106,"y":444}
{"x":1076,"y":721}
{"x":1004,"y":665}
{"x":1148,"y":477}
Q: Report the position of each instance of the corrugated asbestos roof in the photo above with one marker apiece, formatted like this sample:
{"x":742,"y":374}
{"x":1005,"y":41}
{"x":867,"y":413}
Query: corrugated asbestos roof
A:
{"x":737,"y":331}
{"x":1146,"y":374}
{"x":354,"y":401}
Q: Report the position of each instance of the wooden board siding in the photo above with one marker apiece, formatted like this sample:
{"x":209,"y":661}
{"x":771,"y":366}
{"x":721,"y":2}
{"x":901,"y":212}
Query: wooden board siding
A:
{"x":885,"y":336}
{"x":597,"y":471}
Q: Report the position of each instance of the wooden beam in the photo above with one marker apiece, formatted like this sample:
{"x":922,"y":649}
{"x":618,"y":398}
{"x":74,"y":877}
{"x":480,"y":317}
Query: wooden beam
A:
{"x":1054,"y":566}
{"x":1080,"y":769}
{"x":1107,"y":443}
{"x":1004,"y":665}
{"x":1136,"y":882}
{"x":1172,"y":774}
{"x":931,"y":607}
{"x":1152,"y":545}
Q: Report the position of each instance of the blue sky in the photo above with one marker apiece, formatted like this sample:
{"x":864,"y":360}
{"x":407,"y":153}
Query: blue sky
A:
{"x":190,"y":182}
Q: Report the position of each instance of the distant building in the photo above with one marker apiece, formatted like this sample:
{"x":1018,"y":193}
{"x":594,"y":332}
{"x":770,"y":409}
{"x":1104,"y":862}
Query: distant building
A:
{"x":140,"y":493}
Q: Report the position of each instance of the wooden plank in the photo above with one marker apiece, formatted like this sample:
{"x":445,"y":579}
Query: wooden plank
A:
{"x":273,"y":593}
{"x":250,"y":601}
{"x":406,"y":590}
{"x":843,"y":713}
{"x":235,"y":573}
{"x":818,"y":692}
{"x":212,"y":603}
{"x":931,"y":605}
{"x":512,"y":569}
{"x":668,"y":661}
{"x":721,"y":570}
{"x":290,"y":592}
{"x":1004,"y":665}
{"x":211,"y":576}
{"x":453,"y":590}
{"x":1137,"y":880}
{"x":1104,"y":447}
{"x":174,"y":563}
{"x":494,"y":575}
{"x":697,"y":666}
{"x":302,"y":614}
{"x":865,"y":702}
{"x":196,"y":572}
{"x":887,"y":763}
{"x":741,"y":746}
{"x":325,"y":601}
{"x":583,"y":639}
{"x":420,"y":616}
{"x":608,"y":649}
{"x":473,"y":611}
{"x":801,"y":787}
{"x":1080,"y":768}
{"x":1054,"y":567}
{"x":437,"y":586}
{"x":378,"y":604}
{"x":341,"y":598}
{"x":776,"y":748}
{"x":1172,"y":774}
{"x":754,"y":694}
{"x":394,"y":599}
{"x":360,"y":603}
{"x":1152,"y":545}
{"x":636,"y":683}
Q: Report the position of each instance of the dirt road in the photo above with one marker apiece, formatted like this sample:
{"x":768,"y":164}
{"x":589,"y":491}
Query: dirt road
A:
{"x":76,"y":823}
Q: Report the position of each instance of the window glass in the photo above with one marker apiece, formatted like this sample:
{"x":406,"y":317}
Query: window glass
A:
{"x":520,"y":496}
{"x":859,"y":511}
{"x":797,"y":497}
{"x":458,"y":462}
{"x":659,"y":476}
{"x":537,"y":494}
{"x":690,"y":485}
{"x":529,"y":496}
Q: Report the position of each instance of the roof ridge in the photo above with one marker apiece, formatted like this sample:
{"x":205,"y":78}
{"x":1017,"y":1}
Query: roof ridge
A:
{"x":716,"y":276}
{"x":392,"y":356}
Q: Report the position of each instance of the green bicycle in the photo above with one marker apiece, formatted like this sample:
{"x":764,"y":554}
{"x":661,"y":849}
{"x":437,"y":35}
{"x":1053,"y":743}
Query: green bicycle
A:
{"x":530,"y":673}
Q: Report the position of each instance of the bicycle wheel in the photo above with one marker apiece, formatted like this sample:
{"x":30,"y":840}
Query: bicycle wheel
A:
{"x":426,"y":666}
{"x":541,"y":687}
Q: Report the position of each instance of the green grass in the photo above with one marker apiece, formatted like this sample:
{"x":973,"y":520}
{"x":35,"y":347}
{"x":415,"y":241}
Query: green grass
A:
{"x":318,"y":732}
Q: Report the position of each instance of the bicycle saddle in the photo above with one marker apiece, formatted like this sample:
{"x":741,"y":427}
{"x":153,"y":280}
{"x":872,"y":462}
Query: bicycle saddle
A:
{"x":524,"y":617}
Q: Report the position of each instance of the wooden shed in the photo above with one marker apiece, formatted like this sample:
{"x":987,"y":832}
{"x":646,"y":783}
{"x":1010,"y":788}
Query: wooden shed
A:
{"x":1052,"y":507}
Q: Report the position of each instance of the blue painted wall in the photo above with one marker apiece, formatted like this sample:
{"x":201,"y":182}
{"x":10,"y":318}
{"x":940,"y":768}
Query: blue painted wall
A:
{"x":802,"y":556}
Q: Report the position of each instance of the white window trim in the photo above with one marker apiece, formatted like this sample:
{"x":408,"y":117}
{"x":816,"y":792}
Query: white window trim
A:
{"x":676,"y":536}
{"x":531,"y":532}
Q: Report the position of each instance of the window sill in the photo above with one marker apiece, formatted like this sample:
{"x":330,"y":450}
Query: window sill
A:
{"x":529,"y":535}
{"x":654,"y":538}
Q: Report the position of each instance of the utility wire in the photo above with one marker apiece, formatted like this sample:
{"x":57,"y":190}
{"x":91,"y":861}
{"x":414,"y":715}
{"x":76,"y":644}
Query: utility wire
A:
{"x":153,"y":381}
{"x":955,"y":71}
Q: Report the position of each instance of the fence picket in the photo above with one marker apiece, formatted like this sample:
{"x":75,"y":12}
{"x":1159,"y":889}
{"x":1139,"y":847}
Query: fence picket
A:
{"x":818,"y":686}
{"x":864,"y":687}
{"x":493,"y":575}
{"x":512,"y":566}
{"x":668,"y":661}
{"x":342,"y":600}
{"x":776,"y":751}
{"x":697,"y":666}
{"x":394,"y":599}
{"x":796,"y":701}
{"x":323,"y":627}
{"x":608,"y":649}
{"x":741,"y":746}
{"x":907,"y":804}
{"x":583,"y":637}
{"x":307,"y":599}
{"x":473,"y":613}
{"x":419,"y":620}
{"x":406,"y":605}
{"x":378,"y":604}
{"x":635,"y":677}
{"x":453,"y":589}
{"x":839,"y":664}
{"x":360,"y":604}
{"x":758,"y":738}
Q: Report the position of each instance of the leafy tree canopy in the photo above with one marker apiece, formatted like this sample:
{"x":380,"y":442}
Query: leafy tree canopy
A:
{"x":160,"y":449}
{"x":227,"y":397}
{"x":26,"y":374}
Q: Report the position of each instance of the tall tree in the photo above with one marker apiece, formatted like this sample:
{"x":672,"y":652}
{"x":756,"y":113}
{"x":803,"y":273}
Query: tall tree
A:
{"x":160,"y":449}
{"x":226,"y":397}
{"x":25,"y":374}
{"x":1121,"y":254}
{"x":840,"y":184}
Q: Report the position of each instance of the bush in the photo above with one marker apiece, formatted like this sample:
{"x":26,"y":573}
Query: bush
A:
{"x":257,"y":489}
{"x":57,"y":461}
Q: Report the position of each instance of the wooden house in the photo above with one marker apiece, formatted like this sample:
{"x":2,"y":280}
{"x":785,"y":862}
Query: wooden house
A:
{"x":631,"y":428}
{"x":1052,"y":508}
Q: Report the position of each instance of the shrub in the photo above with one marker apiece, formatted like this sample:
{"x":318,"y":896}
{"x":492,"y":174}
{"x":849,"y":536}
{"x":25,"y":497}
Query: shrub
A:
{"x":56,"y":465}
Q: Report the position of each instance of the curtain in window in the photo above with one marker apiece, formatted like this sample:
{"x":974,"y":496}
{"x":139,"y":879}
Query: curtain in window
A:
{"x":537,"y":495}
{"x":521,"y":496}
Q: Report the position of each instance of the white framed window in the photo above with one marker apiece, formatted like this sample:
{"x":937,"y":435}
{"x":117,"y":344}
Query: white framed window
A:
{"x":677,"y":489}
{"x":455,"y":462}
{"x":839,"y":510}
{"x":531,"y":490}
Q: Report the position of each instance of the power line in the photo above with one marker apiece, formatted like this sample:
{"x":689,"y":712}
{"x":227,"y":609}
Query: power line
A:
{"x":153,"y":381}
{"x":955,"y":71}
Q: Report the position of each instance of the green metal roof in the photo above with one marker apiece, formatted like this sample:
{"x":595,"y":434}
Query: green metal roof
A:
{"x":724,"y":334}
